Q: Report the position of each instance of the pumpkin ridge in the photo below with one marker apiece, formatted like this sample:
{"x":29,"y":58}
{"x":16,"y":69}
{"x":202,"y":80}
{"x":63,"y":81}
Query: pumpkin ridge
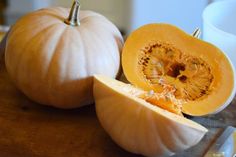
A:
{"x":97,"y":39}
{"x":53,"y":13}
{"x":139,"y":119}
{"x":50,"y":64}
{"x":163,"y":144}
{"x":162,"y":138}
{"x":105,"y":25}
{"x":166,"y":143}
{"x":47,"y":76}
{"x":95,"y":15}
{"x":169,"y":145}
{"x":29,"y":44}
{"x":71,"y":55}
{"x":84,"y":51}
{"x":180,"y":138}
{"x":113,"y":58}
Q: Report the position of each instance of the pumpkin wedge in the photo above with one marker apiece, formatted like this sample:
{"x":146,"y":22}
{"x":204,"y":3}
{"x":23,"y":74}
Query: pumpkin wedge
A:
{"x":138,"y":126}
{"x":160,"y":55}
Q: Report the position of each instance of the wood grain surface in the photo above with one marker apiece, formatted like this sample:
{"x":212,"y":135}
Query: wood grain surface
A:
{"x":28,"y":129}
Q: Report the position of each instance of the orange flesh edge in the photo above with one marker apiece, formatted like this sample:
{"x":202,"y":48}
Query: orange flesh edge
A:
{"x":222,"y":85}
{"x":163,"y":103}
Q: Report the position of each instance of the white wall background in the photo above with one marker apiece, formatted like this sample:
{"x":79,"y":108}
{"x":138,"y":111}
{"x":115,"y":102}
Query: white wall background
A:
{"x":131,"y":14}
{"x":127,"y":14}
{"x":182,"y":13}
{"x":117,"y":11}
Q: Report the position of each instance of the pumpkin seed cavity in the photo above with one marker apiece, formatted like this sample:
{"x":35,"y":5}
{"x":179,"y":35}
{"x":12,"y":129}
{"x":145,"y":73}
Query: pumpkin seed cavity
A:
{"x":188,"y":77}
{"x":165,"y":100}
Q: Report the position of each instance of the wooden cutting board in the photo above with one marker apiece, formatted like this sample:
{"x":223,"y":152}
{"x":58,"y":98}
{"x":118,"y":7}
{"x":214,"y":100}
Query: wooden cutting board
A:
{"x":28,"y":129}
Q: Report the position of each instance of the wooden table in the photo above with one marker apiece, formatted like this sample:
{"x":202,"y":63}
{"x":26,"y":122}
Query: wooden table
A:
{"x":28,"y":129}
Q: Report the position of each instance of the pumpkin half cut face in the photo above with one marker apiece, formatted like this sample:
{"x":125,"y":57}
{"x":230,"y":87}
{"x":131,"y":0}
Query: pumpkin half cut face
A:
{"x":170,"y":73}
{"x":161,"y":57}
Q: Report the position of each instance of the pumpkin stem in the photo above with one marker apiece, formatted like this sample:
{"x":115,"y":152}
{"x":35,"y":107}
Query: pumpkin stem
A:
{"x":197,"y":33}
{"x":73,"y":18}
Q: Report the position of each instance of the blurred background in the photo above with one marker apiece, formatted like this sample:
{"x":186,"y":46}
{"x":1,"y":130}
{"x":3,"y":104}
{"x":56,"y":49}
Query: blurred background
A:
{"x":126,"y":14}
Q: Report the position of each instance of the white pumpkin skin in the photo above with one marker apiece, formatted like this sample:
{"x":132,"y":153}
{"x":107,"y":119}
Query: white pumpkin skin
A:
{"x":142,"y":128}
{"x":53,"y":63}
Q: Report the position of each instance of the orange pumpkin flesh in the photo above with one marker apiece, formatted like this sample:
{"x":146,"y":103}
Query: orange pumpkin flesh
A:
{"x":160,"y":55}
{"x":163,"y":100}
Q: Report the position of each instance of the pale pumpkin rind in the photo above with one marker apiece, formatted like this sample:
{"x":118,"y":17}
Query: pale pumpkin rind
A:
{"x":53,"y":63}
{"x":213,"y":80}
{"x":138,"y":126}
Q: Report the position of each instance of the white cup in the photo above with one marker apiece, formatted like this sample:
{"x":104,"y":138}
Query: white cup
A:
{"x":219,"y":26}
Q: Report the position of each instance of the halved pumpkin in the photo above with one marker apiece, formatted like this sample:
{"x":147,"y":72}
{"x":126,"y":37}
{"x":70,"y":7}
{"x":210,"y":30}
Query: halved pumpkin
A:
{"x":138,"y":126}
{"x":160,"y":55}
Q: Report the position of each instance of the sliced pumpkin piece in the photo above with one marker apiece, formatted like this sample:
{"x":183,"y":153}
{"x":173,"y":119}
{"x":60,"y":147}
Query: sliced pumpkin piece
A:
{"x":138,"y":126}
{"x":157,"y":56}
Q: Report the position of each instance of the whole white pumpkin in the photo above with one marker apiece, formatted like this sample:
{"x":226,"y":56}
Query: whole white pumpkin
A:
{"x":53,"y":61}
